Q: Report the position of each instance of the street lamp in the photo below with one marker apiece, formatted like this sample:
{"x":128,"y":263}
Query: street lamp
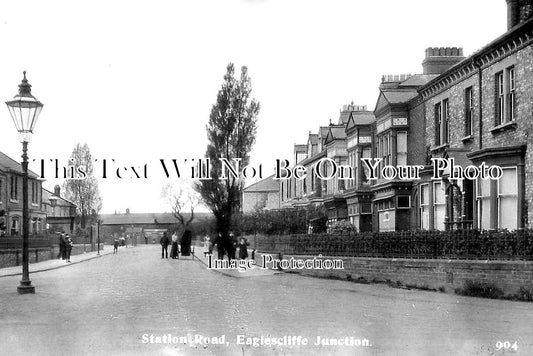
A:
{"x":25,"y":109}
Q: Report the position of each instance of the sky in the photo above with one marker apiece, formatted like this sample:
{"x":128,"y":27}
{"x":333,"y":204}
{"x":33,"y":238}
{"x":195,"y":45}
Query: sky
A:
{"x":136,"y":80}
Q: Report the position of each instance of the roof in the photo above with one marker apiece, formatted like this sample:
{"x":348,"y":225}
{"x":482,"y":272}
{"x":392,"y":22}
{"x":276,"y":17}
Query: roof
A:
{"x":418,"y":79}
{"x":8,"y":163}
{"x":265,"y":185}
{"x":399,"y":97}
{"x":313,"y":138}
{"x":344,"y":116}
{"x":335,"y":133}
{"x":148,"y":218}
{"x":300,"y":148}
{"x":363,"y":117}
{"x":47,"y":194}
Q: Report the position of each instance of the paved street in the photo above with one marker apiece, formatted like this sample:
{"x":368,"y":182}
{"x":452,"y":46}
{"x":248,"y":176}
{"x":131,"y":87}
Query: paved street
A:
{"x":116,"y":304}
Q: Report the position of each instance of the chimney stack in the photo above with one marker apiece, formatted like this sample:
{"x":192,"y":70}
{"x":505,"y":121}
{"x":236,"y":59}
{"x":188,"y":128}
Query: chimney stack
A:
{"x":439,"y":59}
{"x":57,"y":190}
{"x":518,"y":11}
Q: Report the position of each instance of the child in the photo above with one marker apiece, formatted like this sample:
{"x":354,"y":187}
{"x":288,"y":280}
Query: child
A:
{"x":115,"y":246}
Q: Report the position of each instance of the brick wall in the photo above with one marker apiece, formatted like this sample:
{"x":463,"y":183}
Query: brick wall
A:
{"x":13,"y":257}
{"x":450,"y":274}
{"x":523,"y":133}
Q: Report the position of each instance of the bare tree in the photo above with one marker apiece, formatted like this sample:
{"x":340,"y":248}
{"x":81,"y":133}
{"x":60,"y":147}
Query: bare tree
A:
{"x":181,"y":198}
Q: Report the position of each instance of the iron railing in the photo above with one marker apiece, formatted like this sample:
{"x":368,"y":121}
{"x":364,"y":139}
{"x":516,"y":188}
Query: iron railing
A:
{"x":456,"y":244}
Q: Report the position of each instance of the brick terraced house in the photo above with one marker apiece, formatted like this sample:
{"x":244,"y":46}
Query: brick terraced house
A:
{"x":475,"y":110}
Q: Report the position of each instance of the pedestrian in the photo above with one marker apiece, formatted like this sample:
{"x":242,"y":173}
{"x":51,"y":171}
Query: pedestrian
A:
{"x":115,"y":246}
{"x":243,"y":248}
{"x":174,"y":251}
{"x":122,"y":241}
{"x":164,"y":241}
{"x":62,"y":246}
{"x":207,"y":245}
{"x":232,"y":249}
{"x":185,"y":242}
{"x":219,"y":241}
{"x":68,"y":247}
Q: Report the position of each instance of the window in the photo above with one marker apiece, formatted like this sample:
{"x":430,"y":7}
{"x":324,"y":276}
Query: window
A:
{"x":505,"y":96}
{"x":469,"y":111}
{"x":15,"y":226}
{"x":404,"y":202}
{"x":508,"y":199}
{"x":442,"y":134}
{"x":366,"y":208}
{"x":512,"y":95}
{"x":424,"y":206}
{"x":13,"y":188}
{"x":34,"y":193}
{"x":483,"y":203}
{"x":1,"y":191}
{"x":384,"y":149}
{"x":401,"y":148}
{"x":439,"y":206}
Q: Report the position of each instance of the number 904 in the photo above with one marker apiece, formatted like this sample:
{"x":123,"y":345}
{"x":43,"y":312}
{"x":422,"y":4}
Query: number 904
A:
{"x":506,"y":345}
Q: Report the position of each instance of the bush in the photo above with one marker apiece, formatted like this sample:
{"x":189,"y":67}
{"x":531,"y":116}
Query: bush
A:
{"x":524,"y":294}
{"x":480,"y":289}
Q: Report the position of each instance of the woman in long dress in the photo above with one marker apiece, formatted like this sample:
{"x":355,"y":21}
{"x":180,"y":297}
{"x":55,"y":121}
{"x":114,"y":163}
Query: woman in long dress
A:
{"x":174,"y":251}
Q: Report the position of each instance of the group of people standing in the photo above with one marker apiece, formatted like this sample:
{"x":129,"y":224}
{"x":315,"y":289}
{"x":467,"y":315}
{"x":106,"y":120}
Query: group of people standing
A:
{"x":183,"y":246}
{"x":227,"y":246}
{"x":65,"y":247}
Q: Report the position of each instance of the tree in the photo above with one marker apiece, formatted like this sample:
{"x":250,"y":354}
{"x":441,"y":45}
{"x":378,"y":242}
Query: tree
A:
{"x":83,"y":192}
{"x":231,"y":134}
{"x":180,"y":199}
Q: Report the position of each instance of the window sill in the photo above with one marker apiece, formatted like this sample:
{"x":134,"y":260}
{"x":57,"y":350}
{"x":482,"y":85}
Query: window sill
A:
{"x":13,"y":201}
{"x":467,"y":139}
{"x":511,"y":125}
{"x":439,"y":148}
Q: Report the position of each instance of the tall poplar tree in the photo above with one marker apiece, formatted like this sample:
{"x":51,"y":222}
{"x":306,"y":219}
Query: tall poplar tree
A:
{"x":83,"y":192}
{"x":231,"y":134}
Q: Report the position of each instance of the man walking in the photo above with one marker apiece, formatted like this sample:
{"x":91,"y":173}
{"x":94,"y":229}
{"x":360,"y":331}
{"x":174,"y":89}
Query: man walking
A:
{"x":69,"y":244}
{"x":164,"y":245}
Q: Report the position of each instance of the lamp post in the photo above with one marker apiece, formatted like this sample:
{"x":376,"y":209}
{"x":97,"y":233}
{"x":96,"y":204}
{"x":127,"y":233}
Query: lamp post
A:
{"x":98,"y":235}
{"x":25,"y":109}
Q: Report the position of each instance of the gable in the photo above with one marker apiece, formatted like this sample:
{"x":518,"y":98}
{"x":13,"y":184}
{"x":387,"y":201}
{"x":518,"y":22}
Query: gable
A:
{"x":382,"y":102}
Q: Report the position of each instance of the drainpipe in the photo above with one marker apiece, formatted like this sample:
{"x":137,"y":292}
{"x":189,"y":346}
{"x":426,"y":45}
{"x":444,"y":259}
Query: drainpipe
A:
{"x":480,"y":94}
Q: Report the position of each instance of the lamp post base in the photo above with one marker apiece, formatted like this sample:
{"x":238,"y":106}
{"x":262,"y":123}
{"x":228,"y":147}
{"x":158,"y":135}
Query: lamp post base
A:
{"x":25,"y":287}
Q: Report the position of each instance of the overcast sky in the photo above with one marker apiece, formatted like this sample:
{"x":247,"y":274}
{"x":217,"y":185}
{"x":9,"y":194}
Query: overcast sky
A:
{"x":136,"y":80}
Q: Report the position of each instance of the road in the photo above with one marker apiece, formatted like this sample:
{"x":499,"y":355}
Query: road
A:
{"x":117,"y":304}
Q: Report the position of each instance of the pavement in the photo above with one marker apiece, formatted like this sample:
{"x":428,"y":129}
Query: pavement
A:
{"x":55,"y":263}
{"x":136,"y":303}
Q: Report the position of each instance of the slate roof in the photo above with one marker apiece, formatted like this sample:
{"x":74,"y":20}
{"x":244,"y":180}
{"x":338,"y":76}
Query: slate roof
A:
{"x":344,"y":116}
{"x":8,"y":163}
{"x":418,"y":80}
{"x":337,"y":132}
{"x":47,"y":194}
{"x":265,"y":185}
{"x":363,"y":117}
{"x":313,"y":138}
{"x":300,"y":148}
{"x":399,"y":97}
